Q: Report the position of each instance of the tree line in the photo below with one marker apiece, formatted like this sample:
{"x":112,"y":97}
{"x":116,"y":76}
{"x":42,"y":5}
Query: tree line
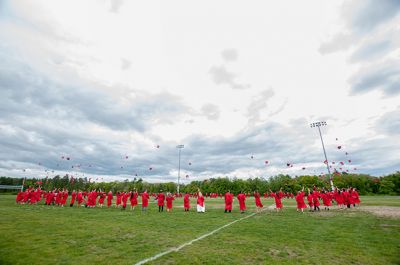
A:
{"x":365,"y":184}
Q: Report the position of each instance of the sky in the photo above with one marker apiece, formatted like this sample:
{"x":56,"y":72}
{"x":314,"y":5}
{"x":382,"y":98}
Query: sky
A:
{"x":115,"y":86}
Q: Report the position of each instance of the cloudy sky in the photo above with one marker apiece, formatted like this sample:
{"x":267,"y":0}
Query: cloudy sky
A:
{"x":116,"y":85}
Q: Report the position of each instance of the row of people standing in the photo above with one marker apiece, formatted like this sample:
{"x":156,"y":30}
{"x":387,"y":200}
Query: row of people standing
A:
{"x":344,"y":198}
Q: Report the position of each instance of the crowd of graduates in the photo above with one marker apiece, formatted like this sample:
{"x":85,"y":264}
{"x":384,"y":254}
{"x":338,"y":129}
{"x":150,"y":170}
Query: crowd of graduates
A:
{"x":344,"y":198}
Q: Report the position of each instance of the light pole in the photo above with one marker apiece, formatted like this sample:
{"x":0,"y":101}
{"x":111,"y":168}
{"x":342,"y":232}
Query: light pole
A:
{"x":318,"y":124}
{"x":179,"y":164}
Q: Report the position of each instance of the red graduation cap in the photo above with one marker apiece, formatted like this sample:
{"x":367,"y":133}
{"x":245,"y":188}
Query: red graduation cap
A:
{"x":341,"y":163}
{"x":349,"y":161}
{"x":326,"y":162}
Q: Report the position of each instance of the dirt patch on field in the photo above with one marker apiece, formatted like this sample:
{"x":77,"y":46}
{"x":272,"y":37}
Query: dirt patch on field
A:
{"x":385,"y":211}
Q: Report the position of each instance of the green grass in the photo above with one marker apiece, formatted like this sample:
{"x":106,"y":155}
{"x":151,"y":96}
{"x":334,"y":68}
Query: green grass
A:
{"x":38,"y":234}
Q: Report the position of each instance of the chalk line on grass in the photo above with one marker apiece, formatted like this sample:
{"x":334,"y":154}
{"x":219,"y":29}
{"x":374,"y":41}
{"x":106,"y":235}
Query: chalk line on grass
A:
{"x":192,"y":241}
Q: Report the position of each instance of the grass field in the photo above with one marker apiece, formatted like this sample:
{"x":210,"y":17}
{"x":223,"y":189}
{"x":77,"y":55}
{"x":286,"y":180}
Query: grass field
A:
{"x":38,"y":234}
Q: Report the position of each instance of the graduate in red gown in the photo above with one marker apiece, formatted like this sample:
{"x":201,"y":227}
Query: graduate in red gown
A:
{"x":356,"y":197}
{"x":337,"y":195}
{"x":19,"y":197}
{"x":50,"y":197}
{"x":257,"y":198}
{"x":109,"y":198}
{"x":80,"y":198}
{"x":160,"y":201}
{"x":228,"y":201}
{"x":145,"y":201}
{"x":133,"y":199}
{"x":169,"y":200}
{"x":278,"y":199}
{"x":102,"y":198}
{"x":186,"y":202}
{"x":242,"y":202}
{"x":119,"y":198}
{"x":316,"y":195}
{"x":58,"y":197}
{"x":73,"y":197}
{"x":201,"y":207}
{"x":350,"y":198}
{"x":64,"y":198}
{"x":125,"y":196}
{"x":300,"y":200}
{"x":345,"y":196}
{"x":326,"y":199}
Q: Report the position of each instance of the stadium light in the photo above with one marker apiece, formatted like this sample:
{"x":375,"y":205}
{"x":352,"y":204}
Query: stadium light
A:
{"x":318,"y":124}
{"x":180,"y":147}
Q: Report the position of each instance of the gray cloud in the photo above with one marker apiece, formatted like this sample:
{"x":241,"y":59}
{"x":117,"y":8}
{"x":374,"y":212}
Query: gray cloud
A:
{"x":389,"y":123}
{"x":26,"y":92}
{"x":372,"y":45}
{"x":365,"y":15}
{"x":42,"y":119}
{"x":384,"y":76}
{"x":220,"y":75}
{"x":115,"y":5}
{"x":257,"y":104}
{"x":125,"y":64}
{"x":211,"y":111}
{"x":229,"y":55}
{"x":373,"y":50}
{"x":339,"y":42}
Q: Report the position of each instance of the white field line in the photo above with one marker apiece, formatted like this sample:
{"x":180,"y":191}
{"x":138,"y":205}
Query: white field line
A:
{"x":192,"y":241}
